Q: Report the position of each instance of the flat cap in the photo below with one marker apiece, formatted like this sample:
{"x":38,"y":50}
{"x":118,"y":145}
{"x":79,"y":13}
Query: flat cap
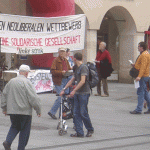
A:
{"x":24,"y":68}
{"x":62,"y":49}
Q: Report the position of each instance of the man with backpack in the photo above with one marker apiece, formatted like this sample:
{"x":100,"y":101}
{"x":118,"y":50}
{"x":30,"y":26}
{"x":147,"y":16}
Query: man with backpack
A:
{"x":81,"y":95}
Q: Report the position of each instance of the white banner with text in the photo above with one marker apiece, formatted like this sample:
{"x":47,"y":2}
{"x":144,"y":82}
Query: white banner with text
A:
{"x":38,"y":35}
{"x":41,"y":80}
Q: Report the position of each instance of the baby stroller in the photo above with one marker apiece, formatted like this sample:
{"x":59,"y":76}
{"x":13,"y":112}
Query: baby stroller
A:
{"x":65,"y":113}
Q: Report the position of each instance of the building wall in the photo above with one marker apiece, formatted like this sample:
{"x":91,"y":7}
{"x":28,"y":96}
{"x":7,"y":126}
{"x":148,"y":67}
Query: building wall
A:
{"x":15,"y":7}
{"x":98,"y":8}
{"x":125,"y":25}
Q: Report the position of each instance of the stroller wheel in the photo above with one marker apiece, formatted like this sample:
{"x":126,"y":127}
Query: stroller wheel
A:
{"x":60,"y":132}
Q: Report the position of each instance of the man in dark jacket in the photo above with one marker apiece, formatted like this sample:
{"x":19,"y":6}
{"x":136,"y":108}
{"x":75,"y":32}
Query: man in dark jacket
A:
{"x":104,"y":69}
{"x":59,"y":68}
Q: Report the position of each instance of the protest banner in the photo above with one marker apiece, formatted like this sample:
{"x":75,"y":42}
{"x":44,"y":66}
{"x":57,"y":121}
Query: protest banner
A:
{"x":37,"y":35}
{"x":41,"y":80}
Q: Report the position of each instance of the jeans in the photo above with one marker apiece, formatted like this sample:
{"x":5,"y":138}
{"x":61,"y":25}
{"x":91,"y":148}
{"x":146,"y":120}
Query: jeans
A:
{"x":19,"y":124}
{"x":143,"y":94}
{"x":81,"y":113}
{"x":57,"y":102}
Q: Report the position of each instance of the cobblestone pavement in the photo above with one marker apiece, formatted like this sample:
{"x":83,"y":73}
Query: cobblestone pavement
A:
{"x":115,"y":128}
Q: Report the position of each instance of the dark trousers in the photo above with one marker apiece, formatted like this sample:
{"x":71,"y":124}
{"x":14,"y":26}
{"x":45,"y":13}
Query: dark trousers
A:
{"x":104,"y":82}
{"x":19,"y":124}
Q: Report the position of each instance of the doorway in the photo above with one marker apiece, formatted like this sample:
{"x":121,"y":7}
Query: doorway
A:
{"x":118,"y":30}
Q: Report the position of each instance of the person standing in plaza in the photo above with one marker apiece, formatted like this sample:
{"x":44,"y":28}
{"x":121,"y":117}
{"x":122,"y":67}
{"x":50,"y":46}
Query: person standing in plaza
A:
{"x":81,"y":94}
{"x":59,"y":67}
{"x":70,"y":63}
{"x":103,"y":65}
{"x":18,"y":99}
{"x":142,"y":64}
{"x":69,"y":58}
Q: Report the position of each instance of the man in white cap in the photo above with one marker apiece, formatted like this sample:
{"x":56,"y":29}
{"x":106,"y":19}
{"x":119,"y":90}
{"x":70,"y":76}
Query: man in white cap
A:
{"x":59,"y":67}
{"x":18,"y":99}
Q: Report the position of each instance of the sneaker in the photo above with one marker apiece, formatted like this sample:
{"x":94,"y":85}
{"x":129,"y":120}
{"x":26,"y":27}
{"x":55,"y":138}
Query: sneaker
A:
{"x":51,"y":115}
{"x":6,"y":145}
{"x":134,"y":112}
{"x":147,"y":112}
{"x":89,"y":133}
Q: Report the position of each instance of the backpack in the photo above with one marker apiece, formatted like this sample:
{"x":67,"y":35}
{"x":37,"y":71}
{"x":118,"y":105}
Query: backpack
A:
{"x":134,"y":72}
{"x":93,"y":75}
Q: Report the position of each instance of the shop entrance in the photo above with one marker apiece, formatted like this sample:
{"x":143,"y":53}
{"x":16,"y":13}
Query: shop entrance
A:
{"x":118,"y":30}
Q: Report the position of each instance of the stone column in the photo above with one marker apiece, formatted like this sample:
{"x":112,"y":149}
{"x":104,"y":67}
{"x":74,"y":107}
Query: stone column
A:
{"x":91,"y":44}
{"x":128,"y":51}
